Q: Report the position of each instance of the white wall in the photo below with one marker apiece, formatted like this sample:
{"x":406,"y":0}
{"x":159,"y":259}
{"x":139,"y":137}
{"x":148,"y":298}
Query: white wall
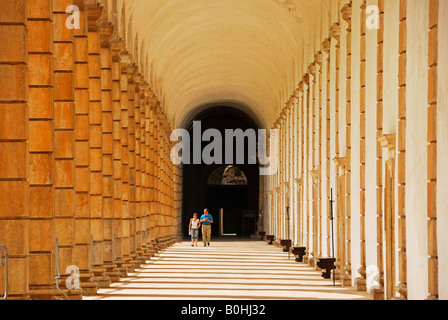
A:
{"x":416,"y":148}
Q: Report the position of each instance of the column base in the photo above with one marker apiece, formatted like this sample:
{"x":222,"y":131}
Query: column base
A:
{"x":142,"y":257}
{"x":87,"y":284}
{"x":377,"y":294}
{"x":100,"y":275}
{"x":402,"y":289}
{"x":136,"y":264}
{"x":18,"y":297}
{"x":112,"y":272}
{"x":346,"y":280}
{"x":55,"y":294}
{"x":360,"y":285}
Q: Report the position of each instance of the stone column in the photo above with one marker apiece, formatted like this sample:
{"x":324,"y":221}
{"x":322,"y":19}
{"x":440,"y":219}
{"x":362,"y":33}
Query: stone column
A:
{"x":125,"y":191}
{"x":151,"y":165}
{"x":14,"y":135}
{"x":154,"y":174}
{"x":149,"y":175}
{"x":116,"y":48}
{"x":41,"y":152}
{"x":312,"y":70}
{"x":433,"y":264}
{"x":82,"y":148}
{"x":145,"y":155}
{"x":442,"y":149}
{"x":347,"y":15}
{"x":105,"y":32}
{"x":378,"y":294}
{"x":318,"y":59}
{"x":64,"y":137}
{"x":95,"y":144}
{"x":140,"y":210}
{"x":340,"y":196}
{"x":131,"y":70}
{"x":302,"y":162}
{"x":156,"y":165}
{"x":306,"y":168}
{"x":295,"y":164}
{"x":326,"y":46}
{"x":360,"y":282}
{"x":401,"y":157}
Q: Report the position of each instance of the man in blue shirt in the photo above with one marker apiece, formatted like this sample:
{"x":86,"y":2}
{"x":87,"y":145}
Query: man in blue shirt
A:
{"x":206,"y":221}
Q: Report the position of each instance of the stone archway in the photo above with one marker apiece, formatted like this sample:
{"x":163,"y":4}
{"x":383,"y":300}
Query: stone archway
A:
{"x":239,"y":199}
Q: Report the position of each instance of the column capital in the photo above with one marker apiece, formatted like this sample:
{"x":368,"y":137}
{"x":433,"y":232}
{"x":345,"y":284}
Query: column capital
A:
{"x":347,"y":13}
{"x":318,"y":58}
{"x":132,"y":70}
{"x":306,"y":79}
{"x":364,"y":5}
{"x":117,"y":47}
{"x":94,"y":13}
{"x":335,"y":31}
{"x":105,"y":31}
{"x":326,"y":45}
{"x":296,"y":94}
{"x":312,"y":69}
{"x":125,"y":61}
{"x":283,"y":115}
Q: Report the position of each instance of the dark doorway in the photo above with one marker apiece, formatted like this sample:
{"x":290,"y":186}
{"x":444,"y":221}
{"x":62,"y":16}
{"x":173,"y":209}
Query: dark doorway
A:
{"x":224,"y":187}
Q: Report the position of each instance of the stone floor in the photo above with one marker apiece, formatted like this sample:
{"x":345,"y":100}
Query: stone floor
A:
{"x":226,"y":270}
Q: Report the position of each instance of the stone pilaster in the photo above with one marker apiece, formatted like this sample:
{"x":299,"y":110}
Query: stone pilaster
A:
{"x":116,"y":48}
{"x":64,"y":137}
{"x":41,"y":233}
{"x":105,"y":31}
{"x":125,"y":60}
{"x":401,"y":156}
{"x":145,"y":161}
{"x":14,"y":137}
{"x":306,"y":165}
{"x":318,"y":57}
{"x":326,"y":46}
{"x":131,"y":70}
{"x":139,"y":169}
{"x":82,"y":257}
{"x":314,"y":183}
{"x":153,"y":167}
{"x":360,"y":282}
{"x":95,"y":146}
{"x":347,"y":16}
{"x":379,"y":294}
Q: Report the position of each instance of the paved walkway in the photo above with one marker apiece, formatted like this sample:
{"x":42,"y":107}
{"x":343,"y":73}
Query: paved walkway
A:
{"x":226,"y":270}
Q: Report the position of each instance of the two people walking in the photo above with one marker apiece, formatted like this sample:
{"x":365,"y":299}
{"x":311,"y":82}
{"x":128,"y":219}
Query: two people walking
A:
{"x":206,"y":221}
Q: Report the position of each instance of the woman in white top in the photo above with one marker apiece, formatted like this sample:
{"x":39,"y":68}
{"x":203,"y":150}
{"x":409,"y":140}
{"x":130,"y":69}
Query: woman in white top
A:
{"x":193,"y":228}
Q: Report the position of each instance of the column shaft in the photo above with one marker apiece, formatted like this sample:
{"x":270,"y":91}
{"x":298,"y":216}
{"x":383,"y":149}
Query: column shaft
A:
{"x":14,"y":137}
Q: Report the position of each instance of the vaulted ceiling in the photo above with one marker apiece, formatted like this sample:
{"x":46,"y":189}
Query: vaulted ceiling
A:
{"x":249,"y":53}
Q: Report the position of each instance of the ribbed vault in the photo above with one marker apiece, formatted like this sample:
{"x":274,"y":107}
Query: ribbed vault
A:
{"x":202,"y":52}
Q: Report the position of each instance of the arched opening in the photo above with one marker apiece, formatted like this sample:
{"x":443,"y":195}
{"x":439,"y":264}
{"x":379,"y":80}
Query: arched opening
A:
{"x":227,"y":176}
{"x":230,"y":188}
